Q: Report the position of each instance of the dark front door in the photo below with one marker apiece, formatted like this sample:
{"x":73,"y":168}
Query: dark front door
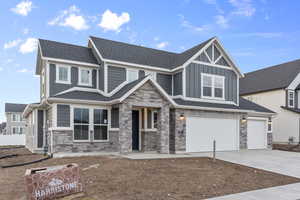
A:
{"x":135,"y":130}
{"x":40,"y":129}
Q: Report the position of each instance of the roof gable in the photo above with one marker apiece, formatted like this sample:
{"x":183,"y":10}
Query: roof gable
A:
{"x":271,"y":78}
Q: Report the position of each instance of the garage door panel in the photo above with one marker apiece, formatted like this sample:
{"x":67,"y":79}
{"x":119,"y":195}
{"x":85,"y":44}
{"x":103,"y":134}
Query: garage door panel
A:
{"x":257,"y":135}
{"x":201,"y":132}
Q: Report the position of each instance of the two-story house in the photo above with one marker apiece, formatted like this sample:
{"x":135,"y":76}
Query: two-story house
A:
{"x":277,"y":88}
{"x":15,"y":123}
{"x":116,"y":97}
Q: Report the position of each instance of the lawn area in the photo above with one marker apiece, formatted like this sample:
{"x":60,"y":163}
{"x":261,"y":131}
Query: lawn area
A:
{"x":180,"y":178}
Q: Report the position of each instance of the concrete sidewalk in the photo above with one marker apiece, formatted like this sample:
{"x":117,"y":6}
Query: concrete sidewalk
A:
{"x":285,"y":192}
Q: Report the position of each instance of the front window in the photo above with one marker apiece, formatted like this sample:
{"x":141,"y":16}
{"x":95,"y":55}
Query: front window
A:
{"x":100,"y":124}
{"x":132,"y":75}
{"x":152,"y":116}
{"x":291,"y":98}
{"x":16,"y":117}
{"x":63,"y":74}
{"x":81,"y":124}
{"x":213,"y":86}
{"x":85,"y":77}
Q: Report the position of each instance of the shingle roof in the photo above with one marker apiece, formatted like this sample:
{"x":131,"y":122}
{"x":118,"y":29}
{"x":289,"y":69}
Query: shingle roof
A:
{"x":13,"y":107}
{"x":65,"y":51}
{"x":271,"y":78}
{"x":243,"y":105}
{"x":125,"y":52}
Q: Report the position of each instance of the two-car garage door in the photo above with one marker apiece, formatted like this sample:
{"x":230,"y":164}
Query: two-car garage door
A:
{"x":201,"y":132}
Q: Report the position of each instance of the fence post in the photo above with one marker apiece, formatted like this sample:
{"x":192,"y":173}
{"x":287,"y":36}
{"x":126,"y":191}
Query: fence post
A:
{"x":214,"y":150}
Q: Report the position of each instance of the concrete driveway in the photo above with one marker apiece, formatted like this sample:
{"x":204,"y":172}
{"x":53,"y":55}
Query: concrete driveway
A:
{"x":283,"y":162}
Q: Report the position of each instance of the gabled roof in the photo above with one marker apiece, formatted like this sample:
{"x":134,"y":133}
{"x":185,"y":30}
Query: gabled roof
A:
{"x":124,"y":52}
{"x":13,"y":107}
{"x":271,"y":78}
{"x":58,"y":50}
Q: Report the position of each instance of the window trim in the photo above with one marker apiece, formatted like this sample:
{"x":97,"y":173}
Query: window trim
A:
{"x":288,"y":98}
{"x":91,"y":125}
{"x":107,"y":126}
{"x":57,"y":74}
{"x":132,"y":70}
{"x":152,"y":128}
{"x":90,"y":77}
{"x":213,"y":76}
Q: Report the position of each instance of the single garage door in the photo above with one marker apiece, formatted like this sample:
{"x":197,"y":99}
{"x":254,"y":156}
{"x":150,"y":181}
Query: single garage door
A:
{"x":201,"y":132}
{"x":257,"y":134}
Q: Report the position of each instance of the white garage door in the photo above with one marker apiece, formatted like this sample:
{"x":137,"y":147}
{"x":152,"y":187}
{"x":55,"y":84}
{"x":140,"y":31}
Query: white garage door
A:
{"x":201,"y":132}
{"x":257,"y":134}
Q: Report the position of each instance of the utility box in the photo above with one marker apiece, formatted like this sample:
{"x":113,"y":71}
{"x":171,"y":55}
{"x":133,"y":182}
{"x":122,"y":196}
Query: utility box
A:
{"x":52,"y":182}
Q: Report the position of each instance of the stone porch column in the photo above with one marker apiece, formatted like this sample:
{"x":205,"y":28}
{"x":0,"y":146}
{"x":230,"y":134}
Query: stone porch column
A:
{"x":164,"y":129}
{"x":125,"y":123}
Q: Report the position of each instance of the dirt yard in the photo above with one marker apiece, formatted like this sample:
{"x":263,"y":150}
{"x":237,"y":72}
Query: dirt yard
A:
{"x":117,"y":178}
{"x":287,"y":147}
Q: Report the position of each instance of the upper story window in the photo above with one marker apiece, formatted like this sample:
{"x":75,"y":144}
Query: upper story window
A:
{"x":85,"y":77}
{"x":16,"y":118}
{"x":213,"y":86}
{"x":132,"y":75}
{"x":291,"y":98}
{"x":63,"y":74}
{"x":151,"y":74}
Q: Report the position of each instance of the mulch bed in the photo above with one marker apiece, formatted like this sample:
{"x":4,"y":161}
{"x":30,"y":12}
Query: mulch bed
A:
{"x":287,"y":147}
{"x":117,"y":178}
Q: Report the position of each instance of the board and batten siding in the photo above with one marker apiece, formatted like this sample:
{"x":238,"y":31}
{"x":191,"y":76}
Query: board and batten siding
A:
{"x":165,"y":81}
{"x":177,"y":84}
{"x":115,"y":76}
{"x":193,"y":80}
{"x":63,"y":115}
{"x":59,"y":87}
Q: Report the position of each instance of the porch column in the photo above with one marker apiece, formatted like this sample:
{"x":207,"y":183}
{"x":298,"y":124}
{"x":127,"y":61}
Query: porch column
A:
{"x":164,"y":129}
{"x":125,"y":132}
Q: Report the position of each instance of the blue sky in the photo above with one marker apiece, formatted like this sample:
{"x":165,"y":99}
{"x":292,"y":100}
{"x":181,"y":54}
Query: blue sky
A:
{"x":256,"y":33}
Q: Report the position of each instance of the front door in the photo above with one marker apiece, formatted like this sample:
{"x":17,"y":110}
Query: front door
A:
{"x":40,"y":129}
{"x":135,"y":130}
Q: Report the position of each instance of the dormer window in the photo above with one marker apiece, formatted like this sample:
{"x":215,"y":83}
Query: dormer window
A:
{"x":213,"y":86}
{"x":291,"y":98}
{"x":63,"y":74}
{"x":85,"y":77}
{"x":132,"y":75}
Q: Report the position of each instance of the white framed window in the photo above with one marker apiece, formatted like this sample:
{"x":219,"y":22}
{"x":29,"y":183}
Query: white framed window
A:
{"x":270,"y":127}
{"x":151,"y":74}
{"x":291,"y":98}
{"x":213,"y":86}
{"x":15,"y":117}
{"x":132,"y":75}
{"x":81,"y":120}
{"x":63,"y":74}
{"x":85,"y":77}
{"x":100,"y":125}
{"x":151,"y":119}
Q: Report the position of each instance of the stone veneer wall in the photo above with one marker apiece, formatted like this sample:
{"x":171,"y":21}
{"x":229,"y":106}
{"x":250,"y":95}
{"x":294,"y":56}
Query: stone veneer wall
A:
{"x":29,"y":134}
{"x":178,"y":126}
{"x":145,"y":96}
{"x":63,"y":142}
{"x":243,"y":134}
{"x":149,"y":140}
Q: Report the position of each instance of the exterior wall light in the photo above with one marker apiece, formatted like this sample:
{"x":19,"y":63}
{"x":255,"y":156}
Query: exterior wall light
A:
{"x":182,"y":117}
{"x":244,"y":119}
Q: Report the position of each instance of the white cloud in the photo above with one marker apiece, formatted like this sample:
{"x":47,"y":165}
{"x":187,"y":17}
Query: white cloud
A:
{"x":156,"y":38}
{"x":162,"y":45}
{"x":25,"y":31}
{"x":243,"y":7}
{"x":30,"y":45}
{"x":215,"y":4}
{"x":70,"y":18}
{"x":24,"y":70}
{"x":1,"y":69}
{"x":112,"y":22}
{"x":23,"y":8}
{"x":188,"y":25}
{"x":222,"y":21}
{"x":12,"y":44}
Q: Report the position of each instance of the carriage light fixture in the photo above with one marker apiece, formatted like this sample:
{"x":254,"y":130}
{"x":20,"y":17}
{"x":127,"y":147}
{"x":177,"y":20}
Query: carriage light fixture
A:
{"x":181,"y":117}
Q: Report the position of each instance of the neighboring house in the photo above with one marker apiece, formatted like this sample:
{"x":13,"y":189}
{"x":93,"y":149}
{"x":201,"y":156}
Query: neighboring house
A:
{"x":277,"y":88}
{"x":3,"y":128}
{"x":117,"y":97}
{"x":15,"y":124}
